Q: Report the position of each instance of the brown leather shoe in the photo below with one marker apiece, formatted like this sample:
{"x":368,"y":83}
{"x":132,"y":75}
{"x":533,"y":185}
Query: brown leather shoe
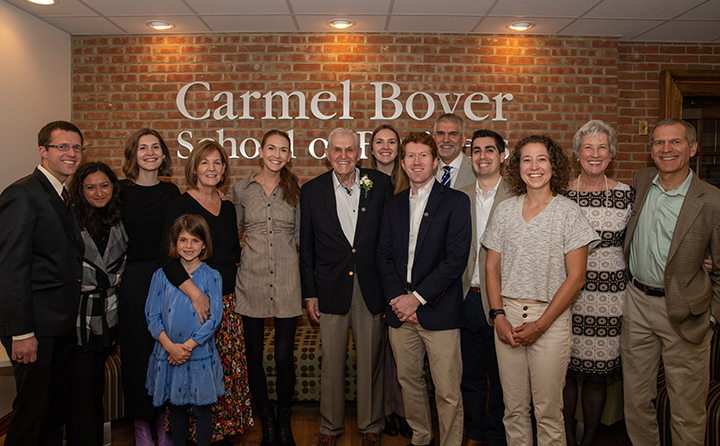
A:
{"x":326,"y":440}
{"x":470,"y":442}
{"x":371,"y":439}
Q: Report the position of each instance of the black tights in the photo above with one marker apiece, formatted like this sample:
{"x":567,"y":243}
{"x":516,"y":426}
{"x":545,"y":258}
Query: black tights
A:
{"x":179,"y":423}
{"x":284,"y":360}
{"x":593,"y":404}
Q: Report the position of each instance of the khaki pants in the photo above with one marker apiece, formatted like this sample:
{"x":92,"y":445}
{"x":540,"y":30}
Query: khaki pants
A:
{"x":410,"y":342}
{"x":369,"y":335}
{"x":647,"y":335}
{"x":535,"y":373}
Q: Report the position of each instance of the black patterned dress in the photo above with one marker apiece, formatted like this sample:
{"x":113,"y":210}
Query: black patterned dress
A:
{"x":598,"y":309}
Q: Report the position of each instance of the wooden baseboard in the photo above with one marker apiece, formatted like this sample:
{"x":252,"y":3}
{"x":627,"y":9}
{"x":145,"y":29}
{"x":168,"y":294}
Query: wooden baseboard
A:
{"x":5,"y":423}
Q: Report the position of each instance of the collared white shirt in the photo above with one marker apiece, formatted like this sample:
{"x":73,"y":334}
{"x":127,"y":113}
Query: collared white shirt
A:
{"x":56,"y":184}
{"x":454,"y":169}
{"x":483,"y":205}
{"x":418,"y":202}
{"x":347,"y":205}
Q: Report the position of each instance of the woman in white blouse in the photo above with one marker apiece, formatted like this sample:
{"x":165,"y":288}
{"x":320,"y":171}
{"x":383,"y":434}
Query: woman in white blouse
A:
{"x":537,"y":253}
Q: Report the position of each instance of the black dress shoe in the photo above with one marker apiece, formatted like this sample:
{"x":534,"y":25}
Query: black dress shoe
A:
{"x":432,"y":443}
{"x":405,"y":429}
{"x":391,"y":429}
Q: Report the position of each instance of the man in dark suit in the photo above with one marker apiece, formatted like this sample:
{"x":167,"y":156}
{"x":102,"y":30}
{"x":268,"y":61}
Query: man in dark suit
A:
{"x":340,"y":220}
{"x":41,"y":253}
{"x":672,"y":301}
{"x":481,"y":389}
{"x":423,"y":249}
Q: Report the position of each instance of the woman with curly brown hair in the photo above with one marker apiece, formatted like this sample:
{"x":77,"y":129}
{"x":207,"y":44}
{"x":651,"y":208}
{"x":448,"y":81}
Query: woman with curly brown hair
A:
{"x":537,"y":254}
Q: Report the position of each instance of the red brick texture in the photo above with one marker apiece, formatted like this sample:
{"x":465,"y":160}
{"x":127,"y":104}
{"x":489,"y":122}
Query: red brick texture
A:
{"x":123,"y":83}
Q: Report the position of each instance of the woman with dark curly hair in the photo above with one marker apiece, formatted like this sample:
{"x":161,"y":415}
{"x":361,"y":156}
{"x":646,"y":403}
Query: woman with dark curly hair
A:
{"x":96,"y":197}
{"x":537,"y":253}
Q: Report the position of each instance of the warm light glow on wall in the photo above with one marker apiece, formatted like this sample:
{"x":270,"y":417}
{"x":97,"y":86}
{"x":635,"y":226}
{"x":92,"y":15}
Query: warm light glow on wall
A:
{"x":43,"y":2}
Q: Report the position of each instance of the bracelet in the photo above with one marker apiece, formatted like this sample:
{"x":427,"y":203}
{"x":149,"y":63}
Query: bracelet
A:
{"x":538,"y":327}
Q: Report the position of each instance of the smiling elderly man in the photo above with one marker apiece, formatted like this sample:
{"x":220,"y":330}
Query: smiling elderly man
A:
{"x":340,"y":215}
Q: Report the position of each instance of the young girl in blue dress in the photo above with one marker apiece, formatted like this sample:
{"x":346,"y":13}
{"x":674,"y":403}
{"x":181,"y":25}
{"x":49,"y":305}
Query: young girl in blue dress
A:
{"x":184,"y":369}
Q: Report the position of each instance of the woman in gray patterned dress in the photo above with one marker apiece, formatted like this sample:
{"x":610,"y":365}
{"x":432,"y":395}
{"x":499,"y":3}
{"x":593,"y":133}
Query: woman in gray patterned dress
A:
{"x":267,"y":205}
{"x":597,"y":310}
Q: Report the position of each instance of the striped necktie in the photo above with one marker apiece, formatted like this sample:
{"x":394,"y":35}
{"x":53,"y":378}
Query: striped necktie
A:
{"x":446,"y":177}
{"x":65,"y":197}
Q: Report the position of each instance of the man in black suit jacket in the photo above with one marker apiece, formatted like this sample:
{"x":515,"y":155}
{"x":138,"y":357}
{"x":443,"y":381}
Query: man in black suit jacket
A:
{"x":340,"y":214}
{"x":423,"y":249}
{"x":41,"y":253}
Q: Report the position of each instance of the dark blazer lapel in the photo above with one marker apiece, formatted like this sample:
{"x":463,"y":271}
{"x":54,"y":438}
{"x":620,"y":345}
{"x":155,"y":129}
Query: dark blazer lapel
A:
{"x":362,"y":209}
{"x":429,"y":213}
{"x":328,"y":196}
{"x":692,"y":205}
{"x":403,"y":208}
{"x":67,"y":216}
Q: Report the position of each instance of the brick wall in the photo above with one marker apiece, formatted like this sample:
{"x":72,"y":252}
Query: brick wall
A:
{"x":639,"y":66}
{"x":123,"y":83}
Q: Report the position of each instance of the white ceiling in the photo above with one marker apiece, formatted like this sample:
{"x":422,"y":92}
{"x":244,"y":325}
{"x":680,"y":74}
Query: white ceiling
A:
{"x":633,"y":20}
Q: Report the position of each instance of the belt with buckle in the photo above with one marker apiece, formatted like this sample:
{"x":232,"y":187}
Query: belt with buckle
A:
{"x":475,"y":289}
{"x":649,"y":290}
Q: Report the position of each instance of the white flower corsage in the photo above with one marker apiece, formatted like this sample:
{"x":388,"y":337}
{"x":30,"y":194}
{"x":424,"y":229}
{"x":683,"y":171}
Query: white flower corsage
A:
{"x":366,"y":184}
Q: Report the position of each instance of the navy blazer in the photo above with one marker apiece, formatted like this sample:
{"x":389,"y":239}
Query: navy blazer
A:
{"x":441,"y":255}
{"x":328,"y":261}
{"x":41,"y":253}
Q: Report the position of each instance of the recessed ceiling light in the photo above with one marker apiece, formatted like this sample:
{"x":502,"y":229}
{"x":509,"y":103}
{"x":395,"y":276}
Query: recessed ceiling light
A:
{"x":341,"y":23}
{"x":521,"y":26}
{"x":43,"y":2}
{"x":160,"y":25}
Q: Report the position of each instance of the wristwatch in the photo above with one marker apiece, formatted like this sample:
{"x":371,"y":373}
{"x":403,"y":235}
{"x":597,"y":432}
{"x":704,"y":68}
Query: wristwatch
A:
{"x":494,"y":313}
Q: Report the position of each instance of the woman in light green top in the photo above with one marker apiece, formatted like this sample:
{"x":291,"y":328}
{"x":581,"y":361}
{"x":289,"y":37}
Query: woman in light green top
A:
{"x":537,"y":253}
{"x":268,"y":280}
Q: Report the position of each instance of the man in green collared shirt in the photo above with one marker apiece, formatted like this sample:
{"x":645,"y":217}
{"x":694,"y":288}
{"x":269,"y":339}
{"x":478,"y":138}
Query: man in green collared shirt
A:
{"x":672,"y":301}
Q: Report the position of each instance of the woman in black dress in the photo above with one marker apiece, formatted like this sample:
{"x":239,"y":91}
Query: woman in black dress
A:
{"x":96,"y":198}
{"x":384,"y":150}
{"x":145,"y":203}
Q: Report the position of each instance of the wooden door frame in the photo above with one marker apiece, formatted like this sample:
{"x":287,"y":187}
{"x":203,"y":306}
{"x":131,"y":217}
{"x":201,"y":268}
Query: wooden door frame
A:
{"x":674,"y":84}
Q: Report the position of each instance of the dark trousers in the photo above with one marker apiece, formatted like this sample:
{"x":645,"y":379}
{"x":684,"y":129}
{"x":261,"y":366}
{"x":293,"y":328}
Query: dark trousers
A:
{"x":284,"y":360}
{"x":481,"y":389}
{"x":179,"y":416}
{"x":84,"y":424}
{"x":43,"y":390}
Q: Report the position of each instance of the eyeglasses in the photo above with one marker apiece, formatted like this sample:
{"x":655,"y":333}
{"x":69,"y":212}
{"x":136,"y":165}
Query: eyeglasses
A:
{"x":65,"y":147}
